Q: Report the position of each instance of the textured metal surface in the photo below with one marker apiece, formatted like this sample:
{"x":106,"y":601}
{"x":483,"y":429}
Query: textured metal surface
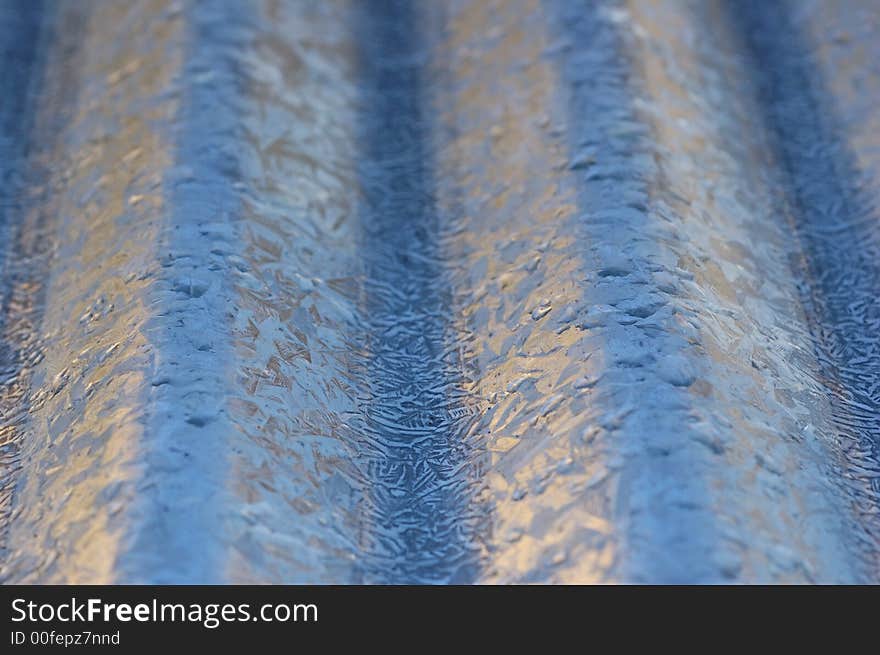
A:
{"x":383,"y":291}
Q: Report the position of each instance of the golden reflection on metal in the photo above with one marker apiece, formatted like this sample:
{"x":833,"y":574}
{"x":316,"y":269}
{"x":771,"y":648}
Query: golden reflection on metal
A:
{"x":85,"y":425}
{"x":507,"y":90}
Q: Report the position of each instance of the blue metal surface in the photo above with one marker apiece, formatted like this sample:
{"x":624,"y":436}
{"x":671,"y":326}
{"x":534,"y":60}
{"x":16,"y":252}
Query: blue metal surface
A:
{"x":469,"y":292}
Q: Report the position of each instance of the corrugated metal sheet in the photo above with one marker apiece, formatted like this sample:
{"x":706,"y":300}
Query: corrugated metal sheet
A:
{"x":380,"y":291}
